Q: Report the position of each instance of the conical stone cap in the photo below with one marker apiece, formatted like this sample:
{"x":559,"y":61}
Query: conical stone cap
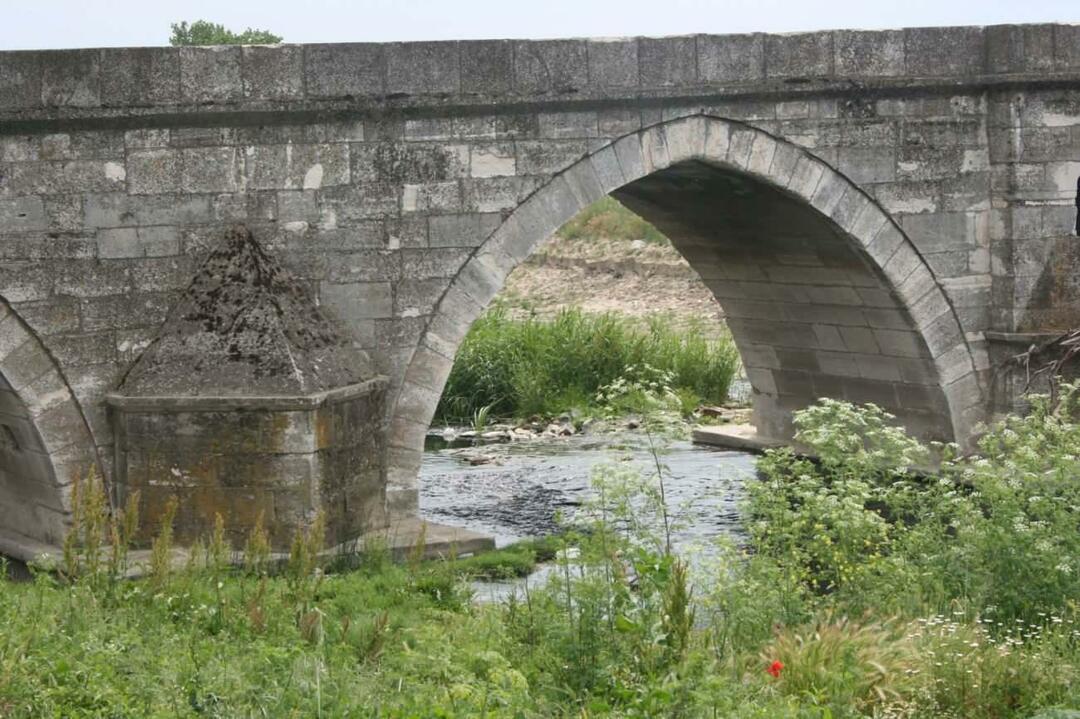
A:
{"x":245,"y":327}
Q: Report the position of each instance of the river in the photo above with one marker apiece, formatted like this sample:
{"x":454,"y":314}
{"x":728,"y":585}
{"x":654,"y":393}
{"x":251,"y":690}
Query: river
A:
{"x":520,"y":494}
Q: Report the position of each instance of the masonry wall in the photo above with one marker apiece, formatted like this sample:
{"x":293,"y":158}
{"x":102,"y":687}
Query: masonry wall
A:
{"x":375,"y":171}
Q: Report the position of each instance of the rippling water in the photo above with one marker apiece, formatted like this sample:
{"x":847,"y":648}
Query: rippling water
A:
{"x":533,"y":480}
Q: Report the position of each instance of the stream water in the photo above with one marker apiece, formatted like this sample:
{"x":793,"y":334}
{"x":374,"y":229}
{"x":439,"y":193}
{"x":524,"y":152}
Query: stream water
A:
{"x":529,"y":483}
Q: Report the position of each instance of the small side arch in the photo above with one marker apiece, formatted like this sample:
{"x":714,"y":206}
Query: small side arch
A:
{"x":44,"y":441}
{"x":825,"y":294}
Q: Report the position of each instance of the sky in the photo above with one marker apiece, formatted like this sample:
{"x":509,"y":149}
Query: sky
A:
{"x":36,"y":24}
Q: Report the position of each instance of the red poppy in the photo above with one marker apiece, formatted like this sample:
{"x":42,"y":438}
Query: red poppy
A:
{"x":775,"y":668}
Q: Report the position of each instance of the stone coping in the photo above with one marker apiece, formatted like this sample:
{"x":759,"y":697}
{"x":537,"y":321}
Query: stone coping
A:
{"x":55,"y":84}
{"x":1022,"y":338}
{"x":216,"y":403}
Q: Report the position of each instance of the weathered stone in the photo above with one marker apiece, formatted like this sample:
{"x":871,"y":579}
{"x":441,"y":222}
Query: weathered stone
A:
{"x":273,"y":73}
{"x":613,"y":63}
{"x":550,"y":66}
{"x":353,"y":69}
{"x":731,"y":58}
{"x":487,"y":66}
{"x":423,"y":67}
{"x":850,"y":236}
{"x":140,"y":75}
{"x":71,"y":78}
{"x":799,"y":55}
{"x":210,"y":74}
{"x":667,"y":61}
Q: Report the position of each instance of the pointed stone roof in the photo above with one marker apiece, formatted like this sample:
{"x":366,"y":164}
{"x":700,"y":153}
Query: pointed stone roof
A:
{"x":245,"y":327}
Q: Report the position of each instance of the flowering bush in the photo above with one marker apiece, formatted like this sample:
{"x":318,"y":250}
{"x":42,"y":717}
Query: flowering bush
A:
{"x":999,"y":531}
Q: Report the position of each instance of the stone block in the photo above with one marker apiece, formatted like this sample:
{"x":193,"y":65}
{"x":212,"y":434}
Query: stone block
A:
{"x":210,"y":74}
{"x":273,"y":72}
{"x":731,"y":58}
{"x":862,"y":53}
{"x":497,"y":194}
{"x":487,"y":66}
{"x":806,"y":176}
{"x":613,"y":63}
{"x":667,"y":61}
{"x":1019,"y":48}
{"x":22,"y":214}
{"x":868,"y":165}
{"x":466,"y":230}
{"x":358,"y":300}
{"x":567,"y":125}
{"x":550,"y":156}
{"x":211,"y":169}
{"x":71,"y":78}
{"x":432,"y":197}
{"x":408,"y":162}
{"x":20,"y":80}
{"x":550,"y":66}
{"x":153,"y":172}
{"x":435,"y":262}
{"x":900,"y":343}
{"x":338,"y":70}
{"x":860,"y":339}
{"x":1066,"y":47}
{"x":307,"y":167}
{"x":937,"y":51}
{"x":799,"y":55}
{"x":939,"y":231}
{"x":418,"y":297}
{"x":492,"y":160}
{"x":423,"y":68}
{"x":140,"y":76}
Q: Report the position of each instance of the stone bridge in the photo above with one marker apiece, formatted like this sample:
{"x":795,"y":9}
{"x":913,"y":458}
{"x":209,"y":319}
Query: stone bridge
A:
{"x":882,"y":215}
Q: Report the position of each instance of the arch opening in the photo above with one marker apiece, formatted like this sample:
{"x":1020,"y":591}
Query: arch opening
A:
{"x":31,"y":502}
{"x":811,"y":316}
{"x":824,"y":295}
{"x":45,"y":443}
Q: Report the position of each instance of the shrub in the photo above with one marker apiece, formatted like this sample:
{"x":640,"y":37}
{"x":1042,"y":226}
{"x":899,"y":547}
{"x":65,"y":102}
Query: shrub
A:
{"x":997,"y":532}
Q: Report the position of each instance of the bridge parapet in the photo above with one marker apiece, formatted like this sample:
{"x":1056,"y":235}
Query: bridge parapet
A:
{"x":134,"y":83}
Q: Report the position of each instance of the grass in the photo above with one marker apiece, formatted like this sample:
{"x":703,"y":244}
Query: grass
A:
{"x":510,"y":367}
{"x":515,"y":560}
{"x":607,"y":218}
{"x":862,"y":592}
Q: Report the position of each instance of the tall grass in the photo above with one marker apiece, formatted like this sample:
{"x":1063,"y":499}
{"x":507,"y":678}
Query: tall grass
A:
{"x":607,"y":218}
{"x":524,"y":367}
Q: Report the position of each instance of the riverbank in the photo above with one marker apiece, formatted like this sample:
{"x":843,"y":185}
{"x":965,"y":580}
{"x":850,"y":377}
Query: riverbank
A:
{"x":857,"y":591}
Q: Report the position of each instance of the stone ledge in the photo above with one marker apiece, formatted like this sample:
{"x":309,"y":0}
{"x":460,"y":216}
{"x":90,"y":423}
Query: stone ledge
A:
{"x":735,"y":436}
{"x":211,"y":403}
{"x":400,"y":540}
{"x":1021,"y":338}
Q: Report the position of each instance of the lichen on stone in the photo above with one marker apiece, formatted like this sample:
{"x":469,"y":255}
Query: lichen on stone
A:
{"x":245,"y":326}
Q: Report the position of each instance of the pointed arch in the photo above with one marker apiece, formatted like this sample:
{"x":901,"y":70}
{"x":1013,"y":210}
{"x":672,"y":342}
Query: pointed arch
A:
{"x":927,"y":368}
{"x":44,"y":441}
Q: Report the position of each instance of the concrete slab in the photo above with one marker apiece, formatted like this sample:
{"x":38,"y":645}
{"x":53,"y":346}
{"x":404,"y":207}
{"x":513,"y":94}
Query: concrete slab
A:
{"x":734,"y":436}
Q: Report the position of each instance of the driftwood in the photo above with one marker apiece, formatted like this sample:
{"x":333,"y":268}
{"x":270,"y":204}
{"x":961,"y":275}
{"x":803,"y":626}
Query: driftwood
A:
{"x":1049,"y":361}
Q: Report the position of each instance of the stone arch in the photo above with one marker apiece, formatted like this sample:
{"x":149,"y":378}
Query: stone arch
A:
{"x":44,"y":441}
{"x":848,"y":259}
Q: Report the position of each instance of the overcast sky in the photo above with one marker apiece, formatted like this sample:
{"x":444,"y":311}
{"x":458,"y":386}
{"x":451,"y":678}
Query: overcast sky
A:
{"x":29,"y":24}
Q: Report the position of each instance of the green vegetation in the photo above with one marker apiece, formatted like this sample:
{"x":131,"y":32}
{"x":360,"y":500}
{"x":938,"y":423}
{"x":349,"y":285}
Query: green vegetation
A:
{"x":608,"y":219}
{"x":865,"y":590}
{"x":202,"y":32}
{"x":510,"y":367}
